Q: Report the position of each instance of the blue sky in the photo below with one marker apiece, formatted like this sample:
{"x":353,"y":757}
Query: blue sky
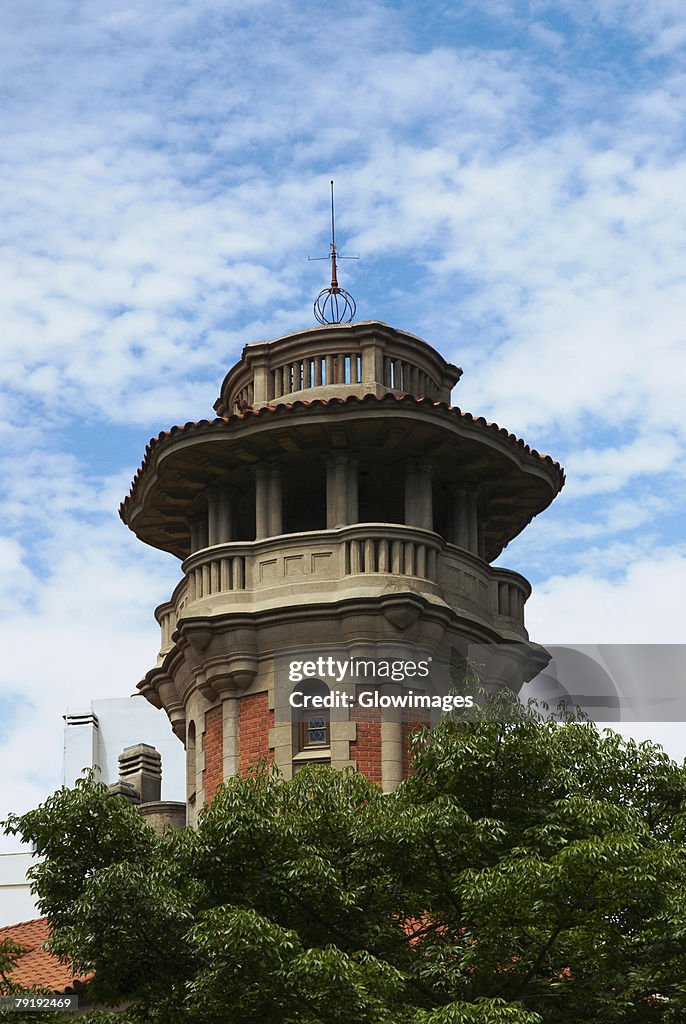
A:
{"x":512,"y":175}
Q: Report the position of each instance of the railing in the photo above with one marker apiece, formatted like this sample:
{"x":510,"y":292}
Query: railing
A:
{"x":315,"y":565}
{"x":315,"y":372}
{"x":216,"y":575}
{"x":403,"y":376}
{"x":245,"y":397}
{"x":399,"y":557}
{"x":512,"y":591}
{"x":468,"y":579}
{"x":334,"y":369}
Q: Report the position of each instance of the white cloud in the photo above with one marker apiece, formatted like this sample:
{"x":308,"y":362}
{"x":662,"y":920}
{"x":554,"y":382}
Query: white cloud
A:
{"x":659,"y":25}
{"x":644,"y":605}
{"x":597,"y":470}
{"x":76,"y":619}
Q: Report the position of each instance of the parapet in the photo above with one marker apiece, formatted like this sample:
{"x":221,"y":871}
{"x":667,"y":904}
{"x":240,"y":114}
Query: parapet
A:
{"x":336,"y":361}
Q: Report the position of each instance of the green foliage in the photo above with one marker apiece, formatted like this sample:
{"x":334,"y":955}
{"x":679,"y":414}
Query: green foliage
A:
{"x":528,"y":872}
{"x":10,"y":952}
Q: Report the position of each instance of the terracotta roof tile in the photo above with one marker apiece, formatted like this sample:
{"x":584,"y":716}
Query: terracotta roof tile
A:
{"x":37,"y":967}
{"x":322,"y":403}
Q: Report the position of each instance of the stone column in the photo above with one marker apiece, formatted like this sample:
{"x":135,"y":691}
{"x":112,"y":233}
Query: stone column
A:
{"x":472,"y":504}
{"x":425,"y":508}
{"x":338,"y":499}
{"x":226,"y":524}
{"x":230,"y":734}
{"x":353,"y":478}
{"x":213,"y":516}
{"x":203,"y":533}
{"x":481,"y":538}
{"x":195,"y":533}
{"x":260,"y":382}
{"x":418,"y":495}
{"x":261,"y":502}
{"x":372,"y":361}
{"x":330,"y":491}
{"x":460,"y":518}
{"x":391,"y":742}
{"x":411,"y":493}
{"x":275,"y":503}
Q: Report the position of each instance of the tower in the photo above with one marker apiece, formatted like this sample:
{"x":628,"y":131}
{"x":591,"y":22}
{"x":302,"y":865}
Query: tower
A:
{"x":336,"y":503}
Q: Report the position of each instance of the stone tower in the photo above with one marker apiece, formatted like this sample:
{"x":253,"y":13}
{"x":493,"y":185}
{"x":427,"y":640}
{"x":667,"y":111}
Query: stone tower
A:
{"x":336,"y":503}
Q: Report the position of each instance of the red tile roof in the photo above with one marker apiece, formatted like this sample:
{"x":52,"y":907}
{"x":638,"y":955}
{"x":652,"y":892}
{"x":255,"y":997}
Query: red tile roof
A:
{"x":322,"y":403}
{"x":37,"y":968}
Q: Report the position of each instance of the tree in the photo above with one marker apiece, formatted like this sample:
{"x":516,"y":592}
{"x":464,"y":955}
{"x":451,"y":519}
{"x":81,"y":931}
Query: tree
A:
{"x":527,"y":872}
{"x":10,"y":953}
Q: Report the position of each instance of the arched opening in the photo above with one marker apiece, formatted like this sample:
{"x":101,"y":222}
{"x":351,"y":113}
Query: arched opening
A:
{"x":190,"y":762}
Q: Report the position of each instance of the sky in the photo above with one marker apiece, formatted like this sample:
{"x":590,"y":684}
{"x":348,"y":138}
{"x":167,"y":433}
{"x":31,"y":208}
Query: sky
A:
{"x":512,"y":176}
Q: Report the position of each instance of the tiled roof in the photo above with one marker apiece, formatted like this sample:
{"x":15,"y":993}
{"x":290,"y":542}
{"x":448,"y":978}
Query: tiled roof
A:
{"x":37,"y":968}
{"x":322,"y":403}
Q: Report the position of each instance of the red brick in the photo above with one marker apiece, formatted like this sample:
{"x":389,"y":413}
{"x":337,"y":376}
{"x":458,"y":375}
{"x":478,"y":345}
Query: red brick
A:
{"x":254,"y":722}
{"x":213,"y":747}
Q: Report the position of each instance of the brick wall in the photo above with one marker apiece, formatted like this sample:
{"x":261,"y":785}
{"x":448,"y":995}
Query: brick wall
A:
{"x":366,"y":749}
{"x":254,"y":722}
{"x":213,"y":747}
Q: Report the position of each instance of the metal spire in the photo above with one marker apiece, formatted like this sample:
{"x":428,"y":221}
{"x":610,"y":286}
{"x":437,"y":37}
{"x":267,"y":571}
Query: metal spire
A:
{"x":334,"y":305}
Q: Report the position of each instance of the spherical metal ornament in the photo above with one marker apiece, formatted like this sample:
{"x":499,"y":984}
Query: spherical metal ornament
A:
{"x":334,"y":306}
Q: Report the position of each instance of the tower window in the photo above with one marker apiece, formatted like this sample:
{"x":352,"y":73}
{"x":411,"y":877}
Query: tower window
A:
{"x":310,"y":724}
{"x":190,"y":762}
{"x":314,"y":730}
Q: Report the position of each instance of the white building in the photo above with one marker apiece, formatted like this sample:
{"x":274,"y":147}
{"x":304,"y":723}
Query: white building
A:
{"x":94,"y":737}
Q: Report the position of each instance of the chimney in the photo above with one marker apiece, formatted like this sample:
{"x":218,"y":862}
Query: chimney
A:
{"x":141,"y":767}
{"x":81,"y":745}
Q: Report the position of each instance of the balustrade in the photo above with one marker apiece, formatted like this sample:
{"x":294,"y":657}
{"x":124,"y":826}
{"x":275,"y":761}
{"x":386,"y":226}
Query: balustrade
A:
{"x":316,"y":371}
{"x":321,"y":562}
{"x":401,"y":375}
{"x":216,"y":575}
{"x":511,"y":595}
{"x":391,"y":556}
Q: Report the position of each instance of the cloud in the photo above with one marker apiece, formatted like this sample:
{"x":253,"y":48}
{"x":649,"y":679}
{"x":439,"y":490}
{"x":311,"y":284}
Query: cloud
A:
{"x":595,"y":470}
{"x":644,"y":605}
{"x":659,"y":26}
{"x":76,"y":619}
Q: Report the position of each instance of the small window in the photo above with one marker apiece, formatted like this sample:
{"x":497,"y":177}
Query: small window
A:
{"x":190,"y":762}
{"x":314,"y":730}
{"x":310,"y":724}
